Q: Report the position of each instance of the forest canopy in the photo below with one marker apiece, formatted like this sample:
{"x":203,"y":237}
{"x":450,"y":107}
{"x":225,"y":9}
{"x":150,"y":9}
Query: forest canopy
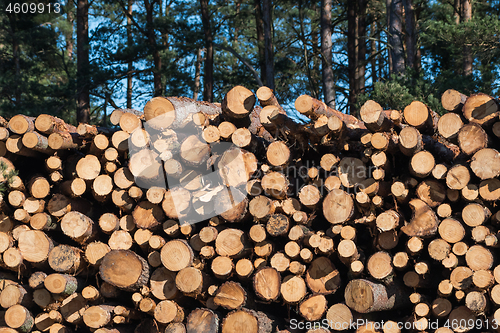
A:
{"x":90,"y":57}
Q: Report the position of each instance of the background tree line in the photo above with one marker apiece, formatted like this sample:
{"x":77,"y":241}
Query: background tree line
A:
{"x":97,"y":55}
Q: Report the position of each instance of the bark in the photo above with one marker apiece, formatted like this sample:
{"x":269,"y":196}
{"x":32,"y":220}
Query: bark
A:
{"x":326,"y":52}
{"x":158,"y":88}
{"x":82,"y":34}
{"x":208,"y":84}
{"x":259,"y":23}
{"x":395,"y":37}
{"x":268,"y":42}
{"x":130,"y":63}
{"x":466,"y":16}
{"x":411,"y":34}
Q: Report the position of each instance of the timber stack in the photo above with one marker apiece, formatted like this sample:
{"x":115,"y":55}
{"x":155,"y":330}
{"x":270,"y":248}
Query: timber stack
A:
{"x":203,"y":217}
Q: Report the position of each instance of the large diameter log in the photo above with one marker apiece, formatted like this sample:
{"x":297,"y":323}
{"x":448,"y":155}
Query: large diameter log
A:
{"x":365,"y":296}
{"x":202,"y":321}
{"x":266,"y":283}
{"x":322,"y":277}
{"x":238,"y":103}
{"x":424,"y":221}
{"x":374,"y":117}
{"x":124,"y":269}
{"x":338,"y":206}
{"x":78,"y":226}
{"x":19,"y":318}
{"x":176,"y":255}
{"x":449,"y":125}
{"x":480,"y":108}
{"x":240,"y":321}
{"x":47,"y":124}
{"x":418,"y":115}
{"x":452,"y":100}
{"x":147,"y":215}
{"x":159,"y":113}
{"x":472,"y":138}
{"x":236,"y":166}
{"x":20,"y":124}
{"x":486,"y":163}
{"x":34,"y":246}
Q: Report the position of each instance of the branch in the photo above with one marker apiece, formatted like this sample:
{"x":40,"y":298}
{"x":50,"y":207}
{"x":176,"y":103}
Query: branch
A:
{"x":243,"y":60}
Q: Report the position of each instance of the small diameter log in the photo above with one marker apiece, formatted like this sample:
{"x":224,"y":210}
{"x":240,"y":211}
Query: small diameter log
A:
{"x":309,"y":196}
{"x":202,"y":321}
{"x":410,"y":141}
{"x":388,"y":220}
{"x":275,"y":184}
{"x":37,"y":142}
{"x":266,"y":283}
{"x":322,"y":277}
{"x":421,"y":164}
{"x":365,"y":296}
{"x":230,"y":296}
{"x":124,"y":269}
{"x":13,"y":294}
{"x":65,"y":259}
{"x":78,"y":226}
{"x":277,"y":225}
{"x":19,"y":318}
{"x":476,"y":302}
{"x":313,"y":307}
{"x":97,"y":316}
{"x":39,"y":187}
{"x":261,"y":207}
{"x":452,"y":100}
{"x":176,"y":255}
{"x":457,"y":177}
{"x":61,"y":284}
{"x":432,"y":192}
{"x":347,"y":251}
{"x":380,"y":265}
{"x":351,"y":171}
{"x":339,"y":317}
{"x":222,"y":267}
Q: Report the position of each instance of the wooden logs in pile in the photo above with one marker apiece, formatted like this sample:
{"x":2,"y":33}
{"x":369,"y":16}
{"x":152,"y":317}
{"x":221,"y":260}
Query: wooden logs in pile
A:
{"x":200,"y":217}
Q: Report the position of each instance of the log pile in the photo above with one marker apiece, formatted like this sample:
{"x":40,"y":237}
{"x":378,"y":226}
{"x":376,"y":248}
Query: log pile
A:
{"x":200,"y":217}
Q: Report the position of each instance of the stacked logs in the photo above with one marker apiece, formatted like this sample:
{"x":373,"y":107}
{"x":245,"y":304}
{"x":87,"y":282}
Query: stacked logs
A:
{"x":200,"y":217}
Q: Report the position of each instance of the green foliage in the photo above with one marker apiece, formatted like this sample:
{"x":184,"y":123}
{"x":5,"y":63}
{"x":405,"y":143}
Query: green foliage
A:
{"x":7,"y":176}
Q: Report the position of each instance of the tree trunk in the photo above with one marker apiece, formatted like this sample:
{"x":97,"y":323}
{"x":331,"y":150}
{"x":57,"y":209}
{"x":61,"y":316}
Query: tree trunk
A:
{"x":208,"y":91}
{"x":130,"y":63}
{"x":361,"y":47}
{"x":351,"y":54}
{"x":326,"y":52}
{"x":373,"y":49}
{"x":388,"y":17}
{"x":395,"y":37}
{"x":82,"y":35}
{"x":268,"y":42}
{"x":158,"y":88}
{"x":197,"y":74}
{"x":69,"y":34}
{"x":466,"y":16}
{"x":411,"y":34}
{"x":259,"y":23}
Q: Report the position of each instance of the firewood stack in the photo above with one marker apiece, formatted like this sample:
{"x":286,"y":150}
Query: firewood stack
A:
{"x":199,"y":217}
